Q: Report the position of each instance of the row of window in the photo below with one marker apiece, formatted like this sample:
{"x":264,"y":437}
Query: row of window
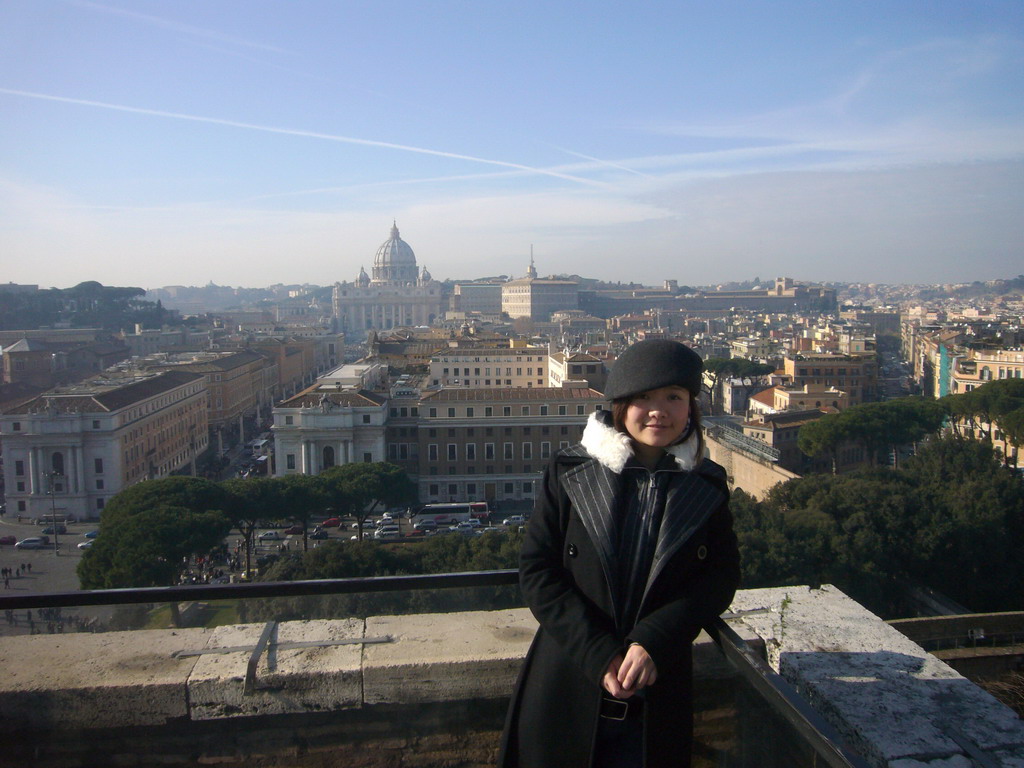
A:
{"x":509,"y":489}
{"x":471,"y":454}
{"x":497,"y":371}
{"x":470,"y":411}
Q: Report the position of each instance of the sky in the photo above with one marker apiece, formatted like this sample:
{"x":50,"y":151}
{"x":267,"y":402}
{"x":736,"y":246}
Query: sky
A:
{"x":256,"y":142}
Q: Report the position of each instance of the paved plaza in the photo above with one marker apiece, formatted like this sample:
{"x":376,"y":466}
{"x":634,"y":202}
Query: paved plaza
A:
{"x":49,"y":572}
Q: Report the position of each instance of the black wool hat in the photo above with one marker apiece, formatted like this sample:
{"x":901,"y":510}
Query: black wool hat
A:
{"x":652,"y":364}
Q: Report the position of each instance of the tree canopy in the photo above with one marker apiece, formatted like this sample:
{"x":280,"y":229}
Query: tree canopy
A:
{"x":951,"y":518}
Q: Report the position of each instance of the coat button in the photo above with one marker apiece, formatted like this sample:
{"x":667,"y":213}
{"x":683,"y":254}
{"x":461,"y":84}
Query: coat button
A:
{"x":702,"y":552}
{"x":572,"y":550}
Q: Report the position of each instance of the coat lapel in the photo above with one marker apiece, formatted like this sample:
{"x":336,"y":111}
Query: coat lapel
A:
{"x":690,"y":501}
{"x":593,"y":491}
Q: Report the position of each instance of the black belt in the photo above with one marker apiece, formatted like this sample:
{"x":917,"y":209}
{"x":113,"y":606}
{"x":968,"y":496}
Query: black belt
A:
{"x":619,"y":709}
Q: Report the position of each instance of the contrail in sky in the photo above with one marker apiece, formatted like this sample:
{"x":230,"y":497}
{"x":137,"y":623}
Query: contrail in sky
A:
{"x":603,"y":162}
{"x":298,"y":132}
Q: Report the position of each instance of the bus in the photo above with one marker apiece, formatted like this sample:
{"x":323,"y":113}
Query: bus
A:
{"x":454,"y":512}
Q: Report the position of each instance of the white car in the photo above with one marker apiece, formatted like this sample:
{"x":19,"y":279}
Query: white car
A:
{"x":269,"y":536}
{"x":85,"y":544}
{"x":514,"y":520}
{"x":33,"y":542}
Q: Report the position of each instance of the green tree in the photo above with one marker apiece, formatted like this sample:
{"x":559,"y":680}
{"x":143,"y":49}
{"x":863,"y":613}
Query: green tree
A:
{"x":301,"y":496}
{"x":193,"y":493}
{"x":150,"y":547}
{"x":249,"y":501}
{"x":359,"y":489}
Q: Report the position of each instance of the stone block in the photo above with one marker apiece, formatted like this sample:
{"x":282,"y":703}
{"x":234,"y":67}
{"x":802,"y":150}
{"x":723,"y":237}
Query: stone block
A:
{"x":445,"y":657}
{"x":84,"y":680}
{"x":310,"y":679}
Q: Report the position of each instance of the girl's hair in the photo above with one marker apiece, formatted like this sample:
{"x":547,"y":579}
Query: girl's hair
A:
{"x":696,"y":425}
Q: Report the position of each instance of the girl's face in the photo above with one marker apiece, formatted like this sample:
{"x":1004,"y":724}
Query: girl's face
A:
{"x":657,"y":418}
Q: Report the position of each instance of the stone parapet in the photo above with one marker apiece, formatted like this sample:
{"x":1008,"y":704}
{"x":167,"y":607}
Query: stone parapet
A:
{"x":375,"y":692}
{"x":893,"y":702}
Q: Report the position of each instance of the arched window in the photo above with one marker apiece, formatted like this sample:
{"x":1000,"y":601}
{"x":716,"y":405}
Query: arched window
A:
{"x":986,"y":373}
{"x":328,"y":457}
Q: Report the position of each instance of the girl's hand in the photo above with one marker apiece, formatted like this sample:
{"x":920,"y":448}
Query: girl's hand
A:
{"x":637,"y":670}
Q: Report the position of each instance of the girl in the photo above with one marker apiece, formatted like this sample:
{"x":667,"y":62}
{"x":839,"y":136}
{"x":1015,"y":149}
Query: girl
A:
{"x":629,"y":552}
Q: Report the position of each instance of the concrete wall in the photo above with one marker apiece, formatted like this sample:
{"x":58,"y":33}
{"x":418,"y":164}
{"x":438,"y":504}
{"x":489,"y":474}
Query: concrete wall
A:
{"x":754,"y":476}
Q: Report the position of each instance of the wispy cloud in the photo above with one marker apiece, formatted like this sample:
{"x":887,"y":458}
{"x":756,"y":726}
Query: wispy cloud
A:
{"x":299,"y":132}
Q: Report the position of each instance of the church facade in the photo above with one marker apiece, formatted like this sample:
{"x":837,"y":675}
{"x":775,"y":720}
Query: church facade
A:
{"x":398,"y":294}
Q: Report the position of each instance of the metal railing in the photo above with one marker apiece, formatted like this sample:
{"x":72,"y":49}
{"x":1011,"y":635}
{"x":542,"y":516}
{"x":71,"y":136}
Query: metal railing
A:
{"x":778,"y":694}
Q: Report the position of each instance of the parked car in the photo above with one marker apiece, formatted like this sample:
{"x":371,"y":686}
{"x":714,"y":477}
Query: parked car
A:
{"x":269,"y":536}
{"x":92,"y":534}
{"x":294,"y":530}
{"x":86,"y":544}
{"x":425,"y":525}
{"x":366,"y":524}
{"x":8,"y":539}
{"x":466,"y":527}
{"x":331,"y":522}
{"x":387,"y":533}
{"x":56,"y":529}
{"x":319,"y":534}
{"x":514,"y":520}
{"x":32,"y":542}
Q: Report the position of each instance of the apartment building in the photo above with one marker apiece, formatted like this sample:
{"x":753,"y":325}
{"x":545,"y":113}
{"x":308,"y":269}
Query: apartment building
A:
{"x":979,"y":366}
{"x":565,"y":367}
{"x":69,"y":450}
{"x":513,"y":364}
{"x":856,"y":375}
{"x":239,"y":385}
{"x":493,"y":444}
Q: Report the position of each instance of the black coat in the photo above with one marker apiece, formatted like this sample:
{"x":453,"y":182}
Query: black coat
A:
{"x":564,"y":567}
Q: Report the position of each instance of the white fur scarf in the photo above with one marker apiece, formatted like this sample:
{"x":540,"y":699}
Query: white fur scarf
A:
{"x":613,"y":448}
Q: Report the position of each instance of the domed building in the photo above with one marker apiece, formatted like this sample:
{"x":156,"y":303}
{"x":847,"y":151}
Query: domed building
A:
{"x":398,"y":294}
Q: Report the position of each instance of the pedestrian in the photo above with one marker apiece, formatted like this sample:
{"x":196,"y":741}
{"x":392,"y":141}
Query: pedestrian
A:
{"x":30,"y":567}
{"x":629,"y":553}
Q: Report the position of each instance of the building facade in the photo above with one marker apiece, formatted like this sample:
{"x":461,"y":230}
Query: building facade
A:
{"x":856,"y":375}
{"x":398,"y":294}
{"x":536,"y":299}
{"x":68,"y":451}
{"x":326,"y":426}
{"x":493,"y":444}
{"x":484,"y":366}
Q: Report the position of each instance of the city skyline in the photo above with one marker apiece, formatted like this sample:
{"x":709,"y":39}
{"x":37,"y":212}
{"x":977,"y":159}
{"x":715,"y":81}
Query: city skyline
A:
{"x":252,"y":144}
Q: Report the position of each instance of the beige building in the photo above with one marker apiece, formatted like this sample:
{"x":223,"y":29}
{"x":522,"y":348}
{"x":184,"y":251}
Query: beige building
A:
{"x":537,"y":299}
{"x":576,"y":367}
{"x":327,"y":426}
{"x":856,"y":375}
{"x":481,"y":366}
{"x":68,"y":451}
{"x":493,"y":444}
{"x":398,"y":294}
{"x":793,"y":398}
{"x":979,"y":366}
{"x":239,"y":385}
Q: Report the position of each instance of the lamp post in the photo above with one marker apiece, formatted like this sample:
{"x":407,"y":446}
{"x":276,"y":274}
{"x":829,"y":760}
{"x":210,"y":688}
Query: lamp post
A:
{"x":52,"y":477}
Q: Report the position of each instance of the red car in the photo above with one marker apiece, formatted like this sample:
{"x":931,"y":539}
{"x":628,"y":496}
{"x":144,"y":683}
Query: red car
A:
{"x":8,"y":539}
{"x":295,"y":529}
{"x":331,"y":522}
